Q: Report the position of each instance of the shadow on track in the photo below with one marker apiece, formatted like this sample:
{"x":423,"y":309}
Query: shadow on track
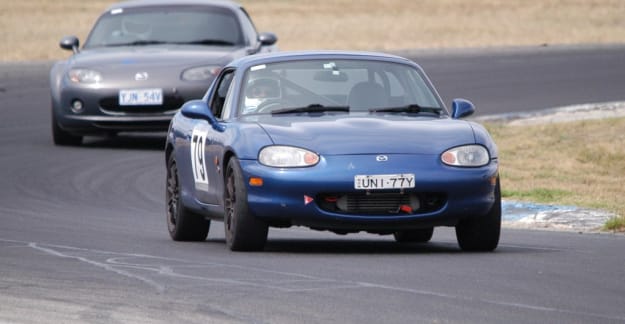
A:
{"x":357,"y":247}
{"x":152,"y":142}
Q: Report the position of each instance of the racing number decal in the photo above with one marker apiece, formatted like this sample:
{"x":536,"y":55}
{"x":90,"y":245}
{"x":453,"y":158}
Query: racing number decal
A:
{"x":198,"y":163}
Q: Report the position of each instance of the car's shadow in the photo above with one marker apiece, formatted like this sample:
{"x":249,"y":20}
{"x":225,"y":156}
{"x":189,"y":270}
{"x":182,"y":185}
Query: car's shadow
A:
{"x":356,"y":247}
{"x":152,"y":142}
{"x":359,"y":246}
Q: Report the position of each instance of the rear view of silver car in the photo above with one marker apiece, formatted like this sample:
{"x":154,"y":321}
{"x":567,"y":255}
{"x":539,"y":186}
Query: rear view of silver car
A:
{"x":142,"y":60}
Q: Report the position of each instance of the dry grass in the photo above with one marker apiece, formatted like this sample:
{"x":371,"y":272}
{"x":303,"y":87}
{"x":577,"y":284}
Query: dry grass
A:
{"x":31,"y":29}
{"x":400,"y":24}
{"x":576,"y":163}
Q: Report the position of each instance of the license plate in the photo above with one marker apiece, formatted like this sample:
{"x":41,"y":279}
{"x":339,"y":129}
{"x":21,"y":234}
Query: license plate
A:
{"x":140,"y":97}
{"x":384,"y":181}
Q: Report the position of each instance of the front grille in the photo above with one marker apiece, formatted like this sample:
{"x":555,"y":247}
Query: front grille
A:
{"x":381,"y":203}
{"x":170,"y":103}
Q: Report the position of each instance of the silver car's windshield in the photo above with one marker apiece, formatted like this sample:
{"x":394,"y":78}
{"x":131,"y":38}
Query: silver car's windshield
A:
{"x":337,"y":86}
{"x":199,"y":25}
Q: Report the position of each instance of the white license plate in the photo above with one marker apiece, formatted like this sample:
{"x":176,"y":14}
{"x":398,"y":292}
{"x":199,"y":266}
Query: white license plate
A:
{"x":140,"y":97}
{"x":384,"y":181}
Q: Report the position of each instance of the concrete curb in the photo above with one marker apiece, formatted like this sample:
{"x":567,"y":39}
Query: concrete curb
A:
{"x":560,"y":114}
{"x":553,"y":217}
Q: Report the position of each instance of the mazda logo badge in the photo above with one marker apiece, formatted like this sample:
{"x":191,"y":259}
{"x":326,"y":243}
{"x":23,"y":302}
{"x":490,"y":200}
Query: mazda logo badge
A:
{"x":141,"y":76}
{"x":381,"y":158}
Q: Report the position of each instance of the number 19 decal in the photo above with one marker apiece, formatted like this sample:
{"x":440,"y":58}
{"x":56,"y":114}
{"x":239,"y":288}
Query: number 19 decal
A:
{"x":198,"y":163}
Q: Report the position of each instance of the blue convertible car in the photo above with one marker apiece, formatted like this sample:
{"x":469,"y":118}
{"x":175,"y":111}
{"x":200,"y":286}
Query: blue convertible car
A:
{"x":338,"y":141}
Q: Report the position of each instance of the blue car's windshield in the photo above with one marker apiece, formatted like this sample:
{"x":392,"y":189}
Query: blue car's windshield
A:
{"x":198,"y":25}
{"x":337,"y":86}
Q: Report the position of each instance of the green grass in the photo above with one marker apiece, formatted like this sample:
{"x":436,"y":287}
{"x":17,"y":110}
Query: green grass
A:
{"x":615,"y":224}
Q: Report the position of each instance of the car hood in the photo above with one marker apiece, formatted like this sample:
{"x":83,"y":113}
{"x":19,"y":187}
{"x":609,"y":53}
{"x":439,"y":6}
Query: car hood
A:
{"x":159,"y":55}
{"x":367,"y":134}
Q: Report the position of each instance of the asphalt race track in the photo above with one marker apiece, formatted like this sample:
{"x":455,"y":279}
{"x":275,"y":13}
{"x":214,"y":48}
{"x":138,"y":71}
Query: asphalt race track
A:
{"x":525,"y":79}
{"x":83,"y":236}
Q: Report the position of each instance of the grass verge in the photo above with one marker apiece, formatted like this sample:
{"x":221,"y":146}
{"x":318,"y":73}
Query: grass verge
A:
{"x":579,"y":163}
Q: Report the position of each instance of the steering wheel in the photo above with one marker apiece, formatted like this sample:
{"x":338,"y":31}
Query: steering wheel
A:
{"x":269,"y":105}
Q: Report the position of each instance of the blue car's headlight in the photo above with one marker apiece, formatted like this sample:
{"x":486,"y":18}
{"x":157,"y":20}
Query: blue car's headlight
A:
{"x":200,"y":73}
{"x":84,"y":76}
{"x":466,"y":156}
{"x":287,"y":157}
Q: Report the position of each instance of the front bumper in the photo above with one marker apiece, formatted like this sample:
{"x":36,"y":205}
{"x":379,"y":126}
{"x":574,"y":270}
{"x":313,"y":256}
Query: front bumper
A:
{"x":101,"y":112}
{"x":291,"y":196}
{"x":97,"y":123}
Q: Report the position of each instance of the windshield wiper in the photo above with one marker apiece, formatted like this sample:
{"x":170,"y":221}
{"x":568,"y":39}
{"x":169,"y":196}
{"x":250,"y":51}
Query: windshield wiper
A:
{"x":412,"y":108}
{"x":310,"y":108}
{"x":139,"y":43}
{"x":208,"y":42}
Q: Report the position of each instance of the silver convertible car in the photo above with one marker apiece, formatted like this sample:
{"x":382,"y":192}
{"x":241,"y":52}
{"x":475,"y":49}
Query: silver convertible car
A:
{"x":142,"y":60}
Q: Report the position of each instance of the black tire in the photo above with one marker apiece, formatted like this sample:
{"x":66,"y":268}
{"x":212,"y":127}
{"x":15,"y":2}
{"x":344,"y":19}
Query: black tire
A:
{"x":182,"y":224}
{"x":422,"y":235}
{"x":61,"y":137}
{"x":243,"y":231}
{"x":481,"y":234}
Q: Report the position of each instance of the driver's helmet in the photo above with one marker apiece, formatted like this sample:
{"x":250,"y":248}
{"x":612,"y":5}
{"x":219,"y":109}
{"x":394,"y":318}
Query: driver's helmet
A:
{"x":260,"y":90}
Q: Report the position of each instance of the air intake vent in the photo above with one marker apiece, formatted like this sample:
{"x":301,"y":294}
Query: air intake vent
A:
{"x":387,"y":203}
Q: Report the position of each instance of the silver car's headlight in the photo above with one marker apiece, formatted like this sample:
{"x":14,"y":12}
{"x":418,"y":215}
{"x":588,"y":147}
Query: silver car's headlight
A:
{"x":466,"y":156}
{"x":200,"y":73}
{"x":84,"y":76}
{"x":287,"y":157}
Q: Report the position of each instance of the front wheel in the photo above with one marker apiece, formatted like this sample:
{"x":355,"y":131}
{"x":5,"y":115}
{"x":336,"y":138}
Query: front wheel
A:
{"x":61,"y":137}
{"x":182,"y":224}
{"x":481,"y":233}
{"x":243,"y":231}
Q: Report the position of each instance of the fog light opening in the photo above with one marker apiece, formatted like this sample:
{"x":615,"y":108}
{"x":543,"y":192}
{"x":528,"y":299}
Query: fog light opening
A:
{"x":77,"y":106}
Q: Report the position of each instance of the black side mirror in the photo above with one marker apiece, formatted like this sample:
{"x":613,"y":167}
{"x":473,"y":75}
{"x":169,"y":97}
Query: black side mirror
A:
{"x":198,"y":109}
{"x":70,"y":43}
{"x":267,"y":39}
{"x":461,"y":108}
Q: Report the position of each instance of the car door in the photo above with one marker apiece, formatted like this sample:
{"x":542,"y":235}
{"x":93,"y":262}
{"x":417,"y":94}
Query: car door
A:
{"x":207,"y":145}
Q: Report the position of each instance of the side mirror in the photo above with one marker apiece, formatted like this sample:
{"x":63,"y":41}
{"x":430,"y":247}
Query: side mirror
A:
{"x":198,"y":109}
{"x":461,"y":108}
{"x":70,"y":43}
{"x":267,"y":39}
